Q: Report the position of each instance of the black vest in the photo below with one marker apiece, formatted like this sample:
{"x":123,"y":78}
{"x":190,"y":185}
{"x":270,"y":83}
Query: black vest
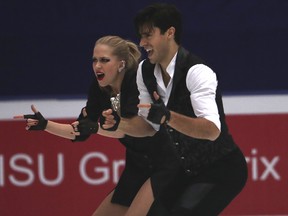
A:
{"x":194,"y":154}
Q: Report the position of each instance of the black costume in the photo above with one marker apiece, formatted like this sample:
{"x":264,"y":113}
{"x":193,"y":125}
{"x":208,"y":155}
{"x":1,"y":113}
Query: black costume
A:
{"x":211,"y":170}
{"x":145,"y":157}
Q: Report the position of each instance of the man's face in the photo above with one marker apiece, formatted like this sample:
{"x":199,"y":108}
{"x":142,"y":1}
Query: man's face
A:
{"x":155,"y":44}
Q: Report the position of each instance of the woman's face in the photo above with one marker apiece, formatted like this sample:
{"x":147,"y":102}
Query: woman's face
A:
{"x":105,"y":65}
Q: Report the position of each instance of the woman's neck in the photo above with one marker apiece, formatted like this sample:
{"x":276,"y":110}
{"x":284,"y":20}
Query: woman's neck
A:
{"x":116,"y":87}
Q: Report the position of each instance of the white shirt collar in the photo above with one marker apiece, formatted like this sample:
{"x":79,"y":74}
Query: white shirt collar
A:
{"x":171,"y":67}
{"x":170,"y":70}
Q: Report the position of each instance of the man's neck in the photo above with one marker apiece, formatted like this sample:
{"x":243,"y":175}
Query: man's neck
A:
{"x":171,"y":53}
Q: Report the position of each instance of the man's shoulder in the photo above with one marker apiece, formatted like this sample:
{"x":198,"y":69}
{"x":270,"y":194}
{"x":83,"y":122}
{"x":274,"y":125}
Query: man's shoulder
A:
{"x":189,"y":57}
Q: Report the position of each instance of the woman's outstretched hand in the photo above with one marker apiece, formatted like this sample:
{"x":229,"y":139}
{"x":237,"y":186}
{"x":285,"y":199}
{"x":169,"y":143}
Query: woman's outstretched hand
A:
{"x":34,"y":121}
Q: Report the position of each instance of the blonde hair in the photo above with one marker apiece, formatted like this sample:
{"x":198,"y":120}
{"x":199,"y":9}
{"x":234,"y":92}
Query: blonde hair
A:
{"x":124,"y":49}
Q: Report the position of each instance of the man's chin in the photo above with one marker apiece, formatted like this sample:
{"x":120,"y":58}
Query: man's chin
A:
{"x":152,"y":60}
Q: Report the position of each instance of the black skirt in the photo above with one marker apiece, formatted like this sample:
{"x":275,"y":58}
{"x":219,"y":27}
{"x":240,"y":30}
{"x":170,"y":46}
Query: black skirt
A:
{"x":146,"y":158}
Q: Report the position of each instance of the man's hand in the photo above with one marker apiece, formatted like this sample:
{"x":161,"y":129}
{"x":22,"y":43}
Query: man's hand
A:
{"x":34,"y":121}
{"x":158,"y":112}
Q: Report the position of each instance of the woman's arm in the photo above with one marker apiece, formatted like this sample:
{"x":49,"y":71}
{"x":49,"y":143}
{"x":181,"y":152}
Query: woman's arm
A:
{"x":61,"y":130}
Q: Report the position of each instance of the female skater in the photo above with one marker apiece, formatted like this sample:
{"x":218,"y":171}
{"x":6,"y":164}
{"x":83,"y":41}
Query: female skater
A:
{"x":115,"y":63}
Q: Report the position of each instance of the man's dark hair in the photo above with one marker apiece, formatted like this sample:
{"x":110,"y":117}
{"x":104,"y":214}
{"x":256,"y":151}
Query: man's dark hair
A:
{"x":160,"y":15}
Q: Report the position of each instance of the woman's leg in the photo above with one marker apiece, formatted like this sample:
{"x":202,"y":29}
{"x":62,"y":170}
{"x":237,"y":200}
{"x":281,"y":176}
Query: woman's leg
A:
{"x":106,"y":208}
{"x":143,"y":201}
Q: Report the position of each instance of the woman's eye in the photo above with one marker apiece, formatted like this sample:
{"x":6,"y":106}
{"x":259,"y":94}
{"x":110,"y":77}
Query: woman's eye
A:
{"x":104,"y":60}
{"x":101,"y":60}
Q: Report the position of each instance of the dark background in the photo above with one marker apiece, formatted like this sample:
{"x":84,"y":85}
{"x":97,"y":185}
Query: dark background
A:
{"x":46,"y":46}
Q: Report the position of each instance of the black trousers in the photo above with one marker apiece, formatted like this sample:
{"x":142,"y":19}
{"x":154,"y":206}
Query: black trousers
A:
{"x":207,"y":194}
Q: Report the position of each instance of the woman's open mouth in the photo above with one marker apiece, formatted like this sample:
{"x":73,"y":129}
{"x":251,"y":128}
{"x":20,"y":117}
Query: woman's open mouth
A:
{"x":100,"y":76}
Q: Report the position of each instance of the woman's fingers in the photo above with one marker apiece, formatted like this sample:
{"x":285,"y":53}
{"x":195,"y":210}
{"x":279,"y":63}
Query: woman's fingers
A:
{"x":18,"y":117}
{"x":33,"y":108}
{"x":31,"y":122}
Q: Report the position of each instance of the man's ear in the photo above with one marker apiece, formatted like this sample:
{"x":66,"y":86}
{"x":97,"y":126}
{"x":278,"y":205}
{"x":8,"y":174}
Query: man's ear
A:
{"x":171,"y":31}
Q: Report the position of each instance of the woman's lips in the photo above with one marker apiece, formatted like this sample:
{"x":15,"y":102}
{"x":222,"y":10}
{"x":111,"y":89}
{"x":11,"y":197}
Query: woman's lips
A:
{"x":100,"y":76}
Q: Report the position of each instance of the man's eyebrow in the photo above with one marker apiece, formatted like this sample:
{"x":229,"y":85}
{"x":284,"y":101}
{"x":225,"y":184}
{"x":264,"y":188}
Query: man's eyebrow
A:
{"x":145,"y":33}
